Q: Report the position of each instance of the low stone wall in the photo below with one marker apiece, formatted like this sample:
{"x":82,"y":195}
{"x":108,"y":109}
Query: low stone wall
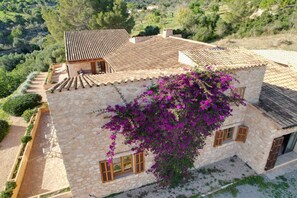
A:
{"x":18,"y":170}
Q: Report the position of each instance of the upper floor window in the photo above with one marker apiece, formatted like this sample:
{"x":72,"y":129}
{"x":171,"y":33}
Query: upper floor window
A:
{"x":240,"y":91}
{"x":122,"y":166}
{"x":100,"y":67}
{"x":224,"y":135}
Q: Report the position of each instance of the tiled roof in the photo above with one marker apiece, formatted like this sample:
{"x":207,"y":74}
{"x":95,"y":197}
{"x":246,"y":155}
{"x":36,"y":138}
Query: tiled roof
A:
{"x":93,"y":44}
{"x":88,"y":81}
{"x":154,"y":53}
{"x":279,"y":95}
{"x":225,"y":58}
{"x":280,"y":56}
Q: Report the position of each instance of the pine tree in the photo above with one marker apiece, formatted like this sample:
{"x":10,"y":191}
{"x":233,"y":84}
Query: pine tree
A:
{"x":74,"y":15}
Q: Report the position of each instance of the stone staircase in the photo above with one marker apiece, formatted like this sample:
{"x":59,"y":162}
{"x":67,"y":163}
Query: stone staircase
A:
{"x":37,"y":85}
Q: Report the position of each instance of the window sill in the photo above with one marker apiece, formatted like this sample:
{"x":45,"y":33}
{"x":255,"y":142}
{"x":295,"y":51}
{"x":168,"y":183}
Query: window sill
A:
{"x":123,"y":175}
{"x":226,"y":143}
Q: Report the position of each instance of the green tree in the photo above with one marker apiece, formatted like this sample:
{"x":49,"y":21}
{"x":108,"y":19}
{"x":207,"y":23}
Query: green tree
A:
{"x":87,"y":14}
{"x":186,"y":18}
{"x":17,"y":32}
{"x":113,"y":14}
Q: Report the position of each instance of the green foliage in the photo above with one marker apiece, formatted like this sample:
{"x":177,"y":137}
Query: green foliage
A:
{"x":16,"y":32}
{"x":150,"y":30}
{"x":87,"y":14}
{"x":9,"y":186}
{"x":4,"y":126}
{"x":9,"y":62}
{"x":17,"y":105}
{"x":25,"y":139}
{"x":36,"y":61}
{"x":206,"y":21}
{"x":28,"y":114}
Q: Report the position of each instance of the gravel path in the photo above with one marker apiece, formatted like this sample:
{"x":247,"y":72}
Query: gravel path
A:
{"x":9,"y":147}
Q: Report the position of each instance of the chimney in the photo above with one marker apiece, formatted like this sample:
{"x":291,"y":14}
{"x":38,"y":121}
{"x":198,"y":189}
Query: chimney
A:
{"x":167,"y":33}
{"x":139,"y":39}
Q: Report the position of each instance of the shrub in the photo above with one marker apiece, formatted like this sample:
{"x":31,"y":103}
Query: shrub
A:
{"x":150,"y":30}
{"x":3,"y":129}
{"x":25,"y":139}
{"x":28,"y":114}
{"x":9,"y":186}
{"x":17,"y":105}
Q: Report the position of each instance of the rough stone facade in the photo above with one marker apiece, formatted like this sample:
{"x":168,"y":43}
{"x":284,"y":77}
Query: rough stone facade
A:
{"x":75,"y":67}
{"x":76,"y":116}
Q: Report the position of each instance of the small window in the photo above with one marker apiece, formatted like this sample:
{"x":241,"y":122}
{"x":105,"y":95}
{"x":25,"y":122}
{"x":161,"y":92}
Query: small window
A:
{"x":240,"y":91}
{"x":222,"y":136}
{"x":101,"y":69}
{"x":228,"y":134}
{"x":121,"y":166}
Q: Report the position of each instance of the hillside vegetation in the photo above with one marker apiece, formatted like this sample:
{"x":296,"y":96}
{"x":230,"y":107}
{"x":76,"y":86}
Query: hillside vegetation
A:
{"x":209,"y":20}
{"x":31,"y":31}
{"x":25,"y":43}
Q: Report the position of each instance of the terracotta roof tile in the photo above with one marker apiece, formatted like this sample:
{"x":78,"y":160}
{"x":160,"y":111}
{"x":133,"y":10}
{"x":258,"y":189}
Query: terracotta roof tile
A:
{"x":225,"y":58}
{"x":154,"y":53}
{"x":88,"y":81}
{"x":93,"y":44}
{"x":279,"y":95}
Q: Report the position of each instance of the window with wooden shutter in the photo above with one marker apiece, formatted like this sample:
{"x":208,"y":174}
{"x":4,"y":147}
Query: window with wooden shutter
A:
{"x":139,"y":162}
{"x":106,"y":171}
{"x":240,"y":91}
{"x":219,"y":138}
{"x":242,"y":133}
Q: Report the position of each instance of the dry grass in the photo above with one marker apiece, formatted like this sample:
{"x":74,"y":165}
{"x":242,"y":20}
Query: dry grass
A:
{"x":285,"y":41}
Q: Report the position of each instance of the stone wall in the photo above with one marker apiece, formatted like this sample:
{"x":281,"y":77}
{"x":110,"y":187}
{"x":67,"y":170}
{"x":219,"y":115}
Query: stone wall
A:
{"x":83,"y":143}
{"x":75,"y":67}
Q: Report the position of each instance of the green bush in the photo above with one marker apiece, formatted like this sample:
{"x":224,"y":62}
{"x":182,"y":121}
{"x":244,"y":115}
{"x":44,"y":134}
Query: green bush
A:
{"x":17,"y":105}
{"x":7,"y":193}
{"x":4,"y":126}
{"x":28,"y":114}
{"x":25,"y":139}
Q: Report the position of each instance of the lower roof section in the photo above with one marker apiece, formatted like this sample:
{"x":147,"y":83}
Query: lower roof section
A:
{"x":279,"y":95}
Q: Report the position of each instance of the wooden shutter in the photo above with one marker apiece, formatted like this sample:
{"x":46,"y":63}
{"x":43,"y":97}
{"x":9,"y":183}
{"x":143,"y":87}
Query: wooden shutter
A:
{"x":276,"y":145}
{"x":219,"y":137}
{"x":93,"y":67}
{"x":139,"y":162}
{"x":242,"y":132}
{"x":106,"y":171}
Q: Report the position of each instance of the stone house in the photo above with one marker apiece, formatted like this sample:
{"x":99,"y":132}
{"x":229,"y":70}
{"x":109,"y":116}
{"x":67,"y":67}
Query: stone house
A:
{"x":263,"y":133}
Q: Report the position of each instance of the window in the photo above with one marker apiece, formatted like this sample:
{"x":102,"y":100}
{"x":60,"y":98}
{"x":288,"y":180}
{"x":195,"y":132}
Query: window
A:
{"x":242,"y":134}
{"x":121,"y":166}
{"x":101,"y":69}
{"x":223,"y":135}
{"x":240,"y":91}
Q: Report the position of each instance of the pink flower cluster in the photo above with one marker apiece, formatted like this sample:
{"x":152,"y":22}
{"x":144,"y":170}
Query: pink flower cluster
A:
{"x":173,"y":118}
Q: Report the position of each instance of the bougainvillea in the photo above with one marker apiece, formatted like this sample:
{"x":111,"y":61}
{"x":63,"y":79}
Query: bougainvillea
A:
{"x":173,"y":118}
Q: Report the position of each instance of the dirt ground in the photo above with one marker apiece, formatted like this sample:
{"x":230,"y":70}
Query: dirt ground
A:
{"x":281,"y":187}
{"x":286,"y":41}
